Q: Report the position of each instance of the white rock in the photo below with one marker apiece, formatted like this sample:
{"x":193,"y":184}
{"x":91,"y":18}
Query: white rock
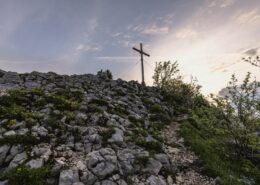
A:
{"x":35,"y":163}
{"x":68,"y":177}
{"x":9,"y":133}
{"x":18,"y":159}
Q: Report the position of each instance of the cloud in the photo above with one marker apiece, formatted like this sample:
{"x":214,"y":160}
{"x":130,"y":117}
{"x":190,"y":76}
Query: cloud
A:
{"x":249,"y":17}
{"x":220,"y":3}
{"x":154,"y":30}
{"x":150,"y":29}
{"x":84,"y":47}
{"x":251,"y":52}
{"x":93,"y":24}
{"x":186,"y":32}
{"x":117,"y":58}
{"x":223,"y":67}
{"x":117,"y":34}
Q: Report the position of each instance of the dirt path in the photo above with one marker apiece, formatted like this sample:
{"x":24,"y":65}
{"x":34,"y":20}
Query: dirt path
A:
{"x":188,"y":172}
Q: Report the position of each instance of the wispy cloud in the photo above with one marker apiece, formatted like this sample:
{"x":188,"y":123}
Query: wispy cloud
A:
{"x":223,"y":67}
{"x":117,"y":59}
{"x":220,"y":3}
{"x":251,"y":52}
{"x":248,"y":17}
{"x":85,"y":47}
{"x":186,"y":32}
{"x":150,"y":29}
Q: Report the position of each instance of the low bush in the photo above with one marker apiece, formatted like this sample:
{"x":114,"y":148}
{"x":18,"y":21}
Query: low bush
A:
{"x":107,"y":134}
{"x":153,"y":146}
{"x":20,"y":139}
{"x":24,"y":175}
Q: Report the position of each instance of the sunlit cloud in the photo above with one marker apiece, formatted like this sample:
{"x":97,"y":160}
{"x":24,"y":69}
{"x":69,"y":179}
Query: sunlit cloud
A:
{"x":186,"y":32}
{"x":150,"y":29}
{"x":220,"y":3}
{"x":84,"y":47}
{"x":249,"y":17}
{"x":251,"y":52}
{"x":224,"y":67}
{"x":117,"y":58}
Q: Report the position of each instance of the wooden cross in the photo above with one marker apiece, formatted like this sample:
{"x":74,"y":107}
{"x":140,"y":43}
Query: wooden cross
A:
{"x":142,"y":60}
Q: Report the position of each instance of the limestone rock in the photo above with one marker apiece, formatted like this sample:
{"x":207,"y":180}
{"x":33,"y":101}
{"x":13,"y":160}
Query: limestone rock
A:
{"x":18,"y":159}
{"x":3,"y":151}
{"x":35,"y":163}
{"x":68,"y":177}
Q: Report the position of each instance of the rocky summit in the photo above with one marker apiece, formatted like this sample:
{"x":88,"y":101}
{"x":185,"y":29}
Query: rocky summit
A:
{"x":89,"y":130}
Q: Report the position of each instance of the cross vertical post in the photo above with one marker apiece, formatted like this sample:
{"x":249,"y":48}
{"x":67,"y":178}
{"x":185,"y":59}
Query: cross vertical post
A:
{"x":142,"y":60}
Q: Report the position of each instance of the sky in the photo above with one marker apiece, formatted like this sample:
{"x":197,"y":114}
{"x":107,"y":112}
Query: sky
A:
{"x":208,"y":38}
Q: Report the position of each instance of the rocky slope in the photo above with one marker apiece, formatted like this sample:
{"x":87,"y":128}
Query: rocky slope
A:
{"x":84,"y":129}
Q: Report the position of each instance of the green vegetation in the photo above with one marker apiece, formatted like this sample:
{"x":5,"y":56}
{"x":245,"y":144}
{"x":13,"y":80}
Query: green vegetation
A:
{"x":119,"y":111}
{"x":107,"y":134}
{"x":152,"y":146}
{"x":99,"y":102}
{"x":106,"y":75}
{"x":19,"y":139}
{"x":93,"y":108}
{"x":141,"y":160}
{"x":24,"y":175}
{"x":156,"y":108}
{"x":135,"y":120}
{"x":62,"y":103}
{"x":223,"y":133}
{"x":181,"y":96}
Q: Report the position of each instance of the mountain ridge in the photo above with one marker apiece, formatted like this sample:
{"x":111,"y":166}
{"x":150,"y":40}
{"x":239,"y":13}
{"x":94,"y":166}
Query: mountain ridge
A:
{"x":84,"y":129}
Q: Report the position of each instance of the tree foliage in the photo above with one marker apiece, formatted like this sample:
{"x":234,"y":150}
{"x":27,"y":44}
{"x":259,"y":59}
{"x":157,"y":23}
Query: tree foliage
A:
{"x":224,"y":132}
{"x":240,"y":114}
{"x":182,"y":96}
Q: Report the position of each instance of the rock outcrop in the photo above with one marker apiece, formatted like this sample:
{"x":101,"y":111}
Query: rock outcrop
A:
{"x":82,"y":130}
{"x":89,"y":129}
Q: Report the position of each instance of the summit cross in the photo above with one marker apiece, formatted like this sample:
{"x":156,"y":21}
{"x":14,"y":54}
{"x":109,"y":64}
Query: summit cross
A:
{"x":142,"y":59}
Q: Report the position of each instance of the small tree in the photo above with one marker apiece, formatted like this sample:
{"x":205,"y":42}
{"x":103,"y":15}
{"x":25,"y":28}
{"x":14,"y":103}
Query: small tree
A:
{"x":180,"y":95}
{"x":240,"y":112}
{"x":165,"y":73}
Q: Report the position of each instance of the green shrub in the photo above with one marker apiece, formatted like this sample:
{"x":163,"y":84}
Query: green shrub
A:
{"x":107,"y":134}
{"x":214,"y":158}
{"x":163,"y":118}
{"x":93,"y":108}
{"x":147,"y":102}
{"x":62,"y":103}
{"x":138,"y":122}
{"x":24,"y":175}
{"x":14,"y":112}
{"x":99,"y":102}
{"x":156,"y":108}
{"x":119,"y":111}
{"x":153,"y":146}
{"x":54,"y":123}
{"x":141,"y":160}
{"x":20,"y":139}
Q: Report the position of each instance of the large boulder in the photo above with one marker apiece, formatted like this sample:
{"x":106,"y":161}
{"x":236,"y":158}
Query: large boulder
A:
{"x":102,"y":163}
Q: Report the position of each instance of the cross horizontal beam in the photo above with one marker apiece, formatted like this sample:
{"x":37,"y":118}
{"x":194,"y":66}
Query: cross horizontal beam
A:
{"x":141,"y":52}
